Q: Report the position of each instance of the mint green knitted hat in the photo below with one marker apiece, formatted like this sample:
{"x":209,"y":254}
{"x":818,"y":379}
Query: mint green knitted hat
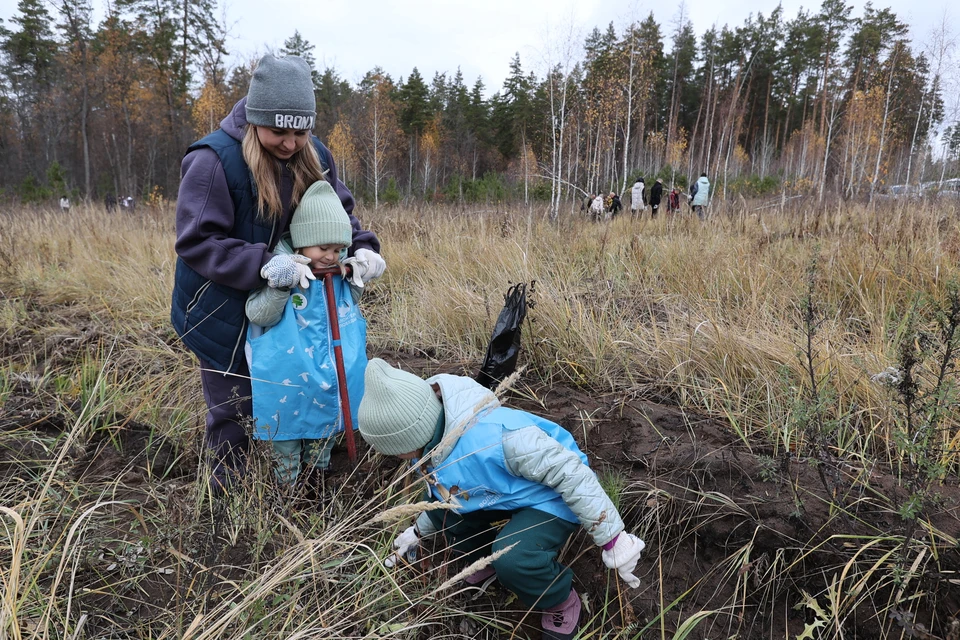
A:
{"x":320,"y":218}
{"x":399,"y":411}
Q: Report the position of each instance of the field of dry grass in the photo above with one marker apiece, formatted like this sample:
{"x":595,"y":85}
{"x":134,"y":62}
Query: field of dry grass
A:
{"x":771,"y":323}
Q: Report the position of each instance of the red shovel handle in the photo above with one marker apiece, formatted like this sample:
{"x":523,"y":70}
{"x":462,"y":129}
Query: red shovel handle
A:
{"x":334,"y":271}
{"x":338,"y":357}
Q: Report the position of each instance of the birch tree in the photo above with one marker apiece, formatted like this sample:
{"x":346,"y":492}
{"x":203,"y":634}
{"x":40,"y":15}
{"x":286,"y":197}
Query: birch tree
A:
{"x":560,"y":60}
{"x":378,"y":128}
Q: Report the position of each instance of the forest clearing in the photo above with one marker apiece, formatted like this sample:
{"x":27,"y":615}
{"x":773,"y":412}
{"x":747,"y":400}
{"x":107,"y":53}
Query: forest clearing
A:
{"x":769,"y":396}
{"x":740,"y":245}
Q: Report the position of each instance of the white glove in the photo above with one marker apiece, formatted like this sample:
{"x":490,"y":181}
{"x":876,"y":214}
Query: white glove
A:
{"x":285,"y":271}
{"x":406,"y":546}
{"x":623,"y":557}
{"x":367,"y":265}
{"x":355,"y":271}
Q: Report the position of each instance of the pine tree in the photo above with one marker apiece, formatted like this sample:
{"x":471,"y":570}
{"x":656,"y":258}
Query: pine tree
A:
{"x":478,"y":113}
{"x":873,"y":33}
{"x":8,"y":129}
{"x":238,"y":84}
{"x":170,"y":36}
{"x":478,"y":121}
{"x":951,"y":139}
{"x":454,"y":124}
{"x":414,"y":116}
{"x":832,"y":23}
{"x":437,"y":96}
{"x":125,"y":100}
{"x":78,"y":64}
{"x":413,"y":95}
{"x":513,"y":114}
{"x":30,"y":69}
{"x":760,"y":40}
{"x":333,"y":93}
{"x":796,"y":84}
{"x":646,"y":41}
{"x":297,"y":45}
{"x":30,"y":51}
{"x":680,"y":86}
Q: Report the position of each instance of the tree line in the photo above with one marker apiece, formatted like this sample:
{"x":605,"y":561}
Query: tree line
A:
{"x":822,"y":103}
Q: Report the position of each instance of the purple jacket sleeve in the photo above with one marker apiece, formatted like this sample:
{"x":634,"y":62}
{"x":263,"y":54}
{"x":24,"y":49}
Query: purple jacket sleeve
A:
{"x":205,"y":219}
{"x":362,"y":238}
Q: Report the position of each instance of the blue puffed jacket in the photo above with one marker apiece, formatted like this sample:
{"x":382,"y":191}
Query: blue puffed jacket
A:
{"x":293,"y":370}
{"x":494,"y":458}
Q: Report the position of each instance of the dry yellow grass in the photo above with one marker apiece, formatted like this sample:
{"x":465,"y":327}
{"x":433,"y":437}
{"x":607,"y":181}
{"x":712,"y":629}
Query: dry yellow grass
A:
{"x":705,"y":314}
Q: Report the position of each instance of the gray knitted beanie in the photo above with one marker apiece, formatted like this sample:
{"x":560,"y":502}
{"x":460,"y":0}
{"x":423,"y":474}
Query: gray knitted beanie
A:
{"x":320,"y":218}
{"x":399,"y":411}
{"x":281,"y":94}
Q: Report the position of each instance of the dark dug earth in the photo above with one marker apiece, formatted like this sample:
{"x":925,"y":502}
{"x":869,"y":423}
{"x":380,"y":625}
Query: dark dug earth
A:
{"x":753,"y":539}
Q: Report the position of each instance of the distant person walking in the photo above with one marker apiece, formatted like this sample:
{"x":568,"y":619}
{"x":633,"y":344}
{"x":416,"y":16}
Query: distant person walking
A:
{"x":700,"y":195}
{"x":239,"y":188}
{"x":586,"y":202}
{"x":615,"y":205}
{"x":673,"y":200}
{"x":638,"y":197}
{"x":596,"y":208}
{"x":110,"y":202}
{"x":656,"y":194}
{"x":64,"y":204}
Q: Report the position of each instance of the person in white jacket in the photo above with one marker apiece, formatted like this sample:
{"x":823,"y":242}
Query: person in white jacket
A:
{"x":597,"y":208}
{"x":638,"y":197}
{"x":700,"y":195}
{"x":493,"y":464}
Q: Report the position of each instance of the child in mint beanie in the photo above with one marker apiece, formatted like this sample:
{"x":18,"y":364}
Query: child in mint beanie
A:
{"x":296,"y":401}
{"x":491,"y":463}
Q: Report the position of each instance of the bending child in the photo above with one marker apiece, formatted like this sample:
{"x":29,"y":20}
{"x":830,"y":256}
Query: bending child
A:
{"x":496,"y":464}
{"x":296,"y":401}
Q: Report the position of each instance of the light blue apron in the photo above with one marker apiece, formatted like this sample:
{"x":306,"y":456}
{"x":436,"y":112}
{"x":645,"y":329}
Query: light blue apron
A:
{"x":292,"y":368}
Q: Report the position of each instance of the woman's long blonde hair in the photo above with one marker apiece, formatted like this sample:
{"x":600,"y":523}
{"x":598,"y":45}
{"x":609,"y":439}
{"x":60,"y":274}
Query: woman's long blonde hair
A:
{"x":304,"y":165}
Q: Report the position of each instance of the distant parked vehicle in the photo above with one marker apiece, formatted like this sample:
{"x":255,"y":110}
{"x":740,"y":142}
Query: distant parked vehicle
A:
{"x":932,"y":189}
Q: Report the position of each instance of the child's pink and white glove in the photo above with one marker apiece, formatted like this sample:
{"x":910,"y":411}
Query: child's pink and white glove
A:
{"x":406,"y":547}
{"x":284,"y":271}
{"x":622,"y":554}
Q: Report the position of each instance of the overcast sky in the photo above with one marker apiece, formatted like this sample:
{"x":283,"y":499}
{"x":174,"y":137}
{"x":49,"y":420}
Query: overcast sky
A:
{"x":480,"y":36}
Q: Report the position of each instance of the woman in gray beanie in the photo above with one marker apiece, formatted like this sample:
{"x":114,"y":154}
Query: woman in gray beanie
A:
{"x":495,"y":464}
{"x":239,"y":188}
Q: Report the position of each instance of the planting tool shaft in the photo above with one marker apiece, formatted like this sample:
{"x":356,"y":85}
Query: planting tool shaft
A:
{"x":338,"y":357}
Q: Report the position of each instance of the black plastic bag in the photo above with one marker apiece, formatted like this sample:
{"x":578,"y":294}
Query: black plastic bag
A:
{"x":504,"y":347}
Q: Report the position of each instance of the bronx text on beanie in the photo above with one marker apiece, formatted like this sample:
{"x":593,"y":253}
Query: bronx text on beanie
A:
{"x":281,"y":94}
